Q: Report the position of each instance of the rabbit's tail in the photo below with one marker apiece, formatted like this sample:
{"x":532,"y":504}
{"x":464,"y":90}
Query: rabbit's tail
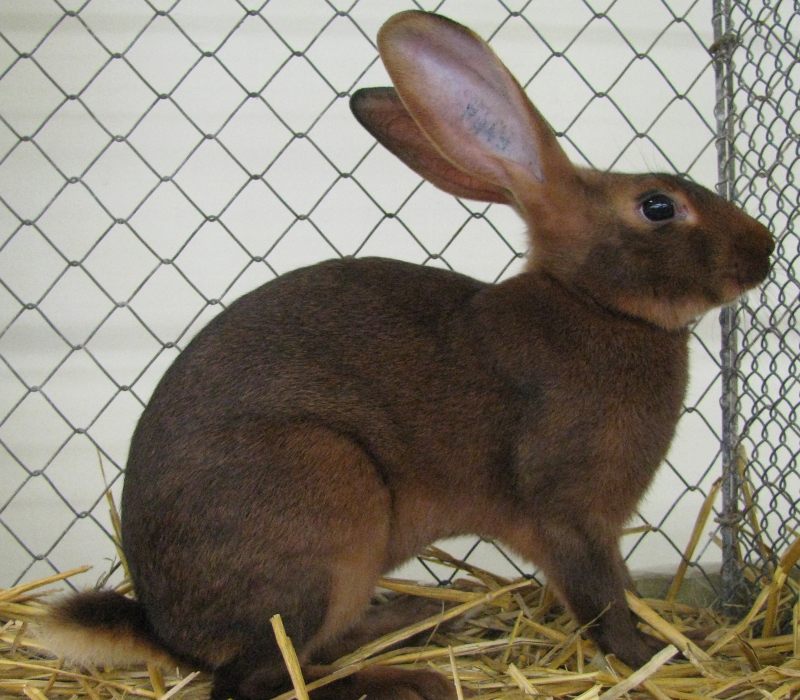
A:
{"x":101,"y":627}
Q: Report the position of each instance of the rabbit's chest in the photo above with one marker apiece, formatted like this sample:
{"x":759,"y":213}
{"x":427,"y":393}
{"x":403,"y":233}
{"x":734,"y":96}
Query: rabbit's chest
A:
{"x":597,"y":434}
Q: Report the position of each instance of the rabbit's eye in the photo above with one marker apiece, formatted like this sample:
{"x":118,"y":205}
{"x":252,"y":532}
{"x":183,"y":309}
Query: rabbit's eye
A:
{"x":658,"y":207}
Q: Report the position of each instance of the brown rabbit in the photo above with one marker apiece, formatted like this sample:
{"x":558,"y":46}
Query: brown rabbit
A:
{"x":330,"y":424}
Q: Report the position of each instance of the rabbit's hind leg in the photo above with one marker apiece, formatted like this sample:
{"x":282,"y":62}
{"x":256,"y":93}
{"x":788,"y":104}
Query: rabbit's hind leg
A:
{"x":334,"y":515}
{"x":252,"y":676}
{"x":383,"y":618}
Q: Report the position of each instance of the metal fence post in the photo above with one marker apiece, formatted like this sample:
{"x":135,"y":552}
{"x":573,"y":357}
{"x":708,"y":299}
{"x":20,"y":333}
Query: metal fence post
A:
{"x":724,"y":43}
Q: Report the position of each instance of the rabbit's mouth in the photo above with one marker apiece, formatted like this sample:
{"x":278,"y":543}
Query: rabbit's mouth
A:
{"x":740,"y":281}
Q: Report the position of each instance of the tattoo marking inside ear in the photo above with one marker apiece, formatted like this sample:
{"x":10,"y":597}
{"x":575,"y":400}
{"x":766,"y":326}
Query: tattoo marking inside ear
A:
{"x":477,"y":116}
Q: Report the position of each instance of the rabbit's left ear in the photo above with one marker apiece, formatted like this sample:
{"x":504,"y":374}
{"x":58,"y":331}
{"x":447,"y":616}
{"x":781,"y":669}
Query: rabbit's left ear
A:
{"x":381,"y":112}
{"x":466,"y":102}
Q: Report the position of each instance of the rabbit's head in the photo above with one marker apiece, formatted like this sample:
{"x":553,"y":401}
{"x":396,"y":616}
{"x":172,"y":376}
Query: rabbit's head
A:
{"x":653,"y":246}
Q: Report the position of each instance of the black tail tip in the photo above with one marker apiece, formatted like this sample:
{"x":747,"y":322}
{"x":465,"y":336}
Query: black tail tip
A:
{"x":101,"y":610}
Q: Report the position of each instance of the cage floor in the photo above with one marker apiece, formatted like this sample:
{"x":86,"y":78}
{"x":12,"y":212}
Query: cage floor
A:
{"x":494,"y":638}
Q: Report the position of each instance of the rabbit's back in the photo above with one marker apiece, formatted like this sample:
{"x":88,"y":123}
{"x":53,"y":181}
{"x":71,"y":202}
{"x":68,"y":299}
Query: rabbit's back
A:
{"x":345,"y":342}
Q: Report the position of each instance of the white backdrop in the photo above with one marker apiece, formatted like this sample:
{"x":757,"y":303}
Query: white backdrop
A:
{"x":158,"y":158}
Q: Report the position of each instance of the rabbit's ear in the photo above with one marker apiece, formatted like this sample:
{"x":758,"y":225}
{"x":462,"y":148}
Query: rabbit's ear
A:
{"x":381,"y":112}
{"x":467,"y":103}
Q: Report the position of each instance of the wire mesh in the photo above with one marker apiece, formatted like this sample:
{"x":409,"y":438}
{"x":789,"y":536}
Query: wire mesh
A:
{"x":762,"y":439}
{"x":158,"y":158}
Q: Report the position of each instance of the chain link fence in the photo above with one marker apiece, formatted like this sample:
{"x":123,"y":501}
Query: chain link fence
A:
{"x":760,"y":161}
{"x":158,"y":158}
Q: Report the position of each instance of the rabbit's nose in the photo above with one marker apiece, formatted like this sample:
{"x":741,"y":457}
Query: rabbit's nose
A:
{"x":752,"y":250}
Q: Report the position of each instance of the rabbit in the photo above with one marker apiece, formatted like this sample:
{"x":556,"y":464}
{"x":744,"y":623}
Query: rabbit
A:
{"x":328,"y":425}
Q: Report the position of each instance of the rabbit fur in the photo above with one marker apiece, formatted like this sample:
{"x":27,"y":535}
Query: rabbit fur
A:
{"x":330,"y":424}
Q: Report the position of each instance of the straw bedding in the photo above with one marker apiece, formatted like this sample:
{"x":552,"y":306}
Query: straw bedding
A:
{"x":495,"y":638}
